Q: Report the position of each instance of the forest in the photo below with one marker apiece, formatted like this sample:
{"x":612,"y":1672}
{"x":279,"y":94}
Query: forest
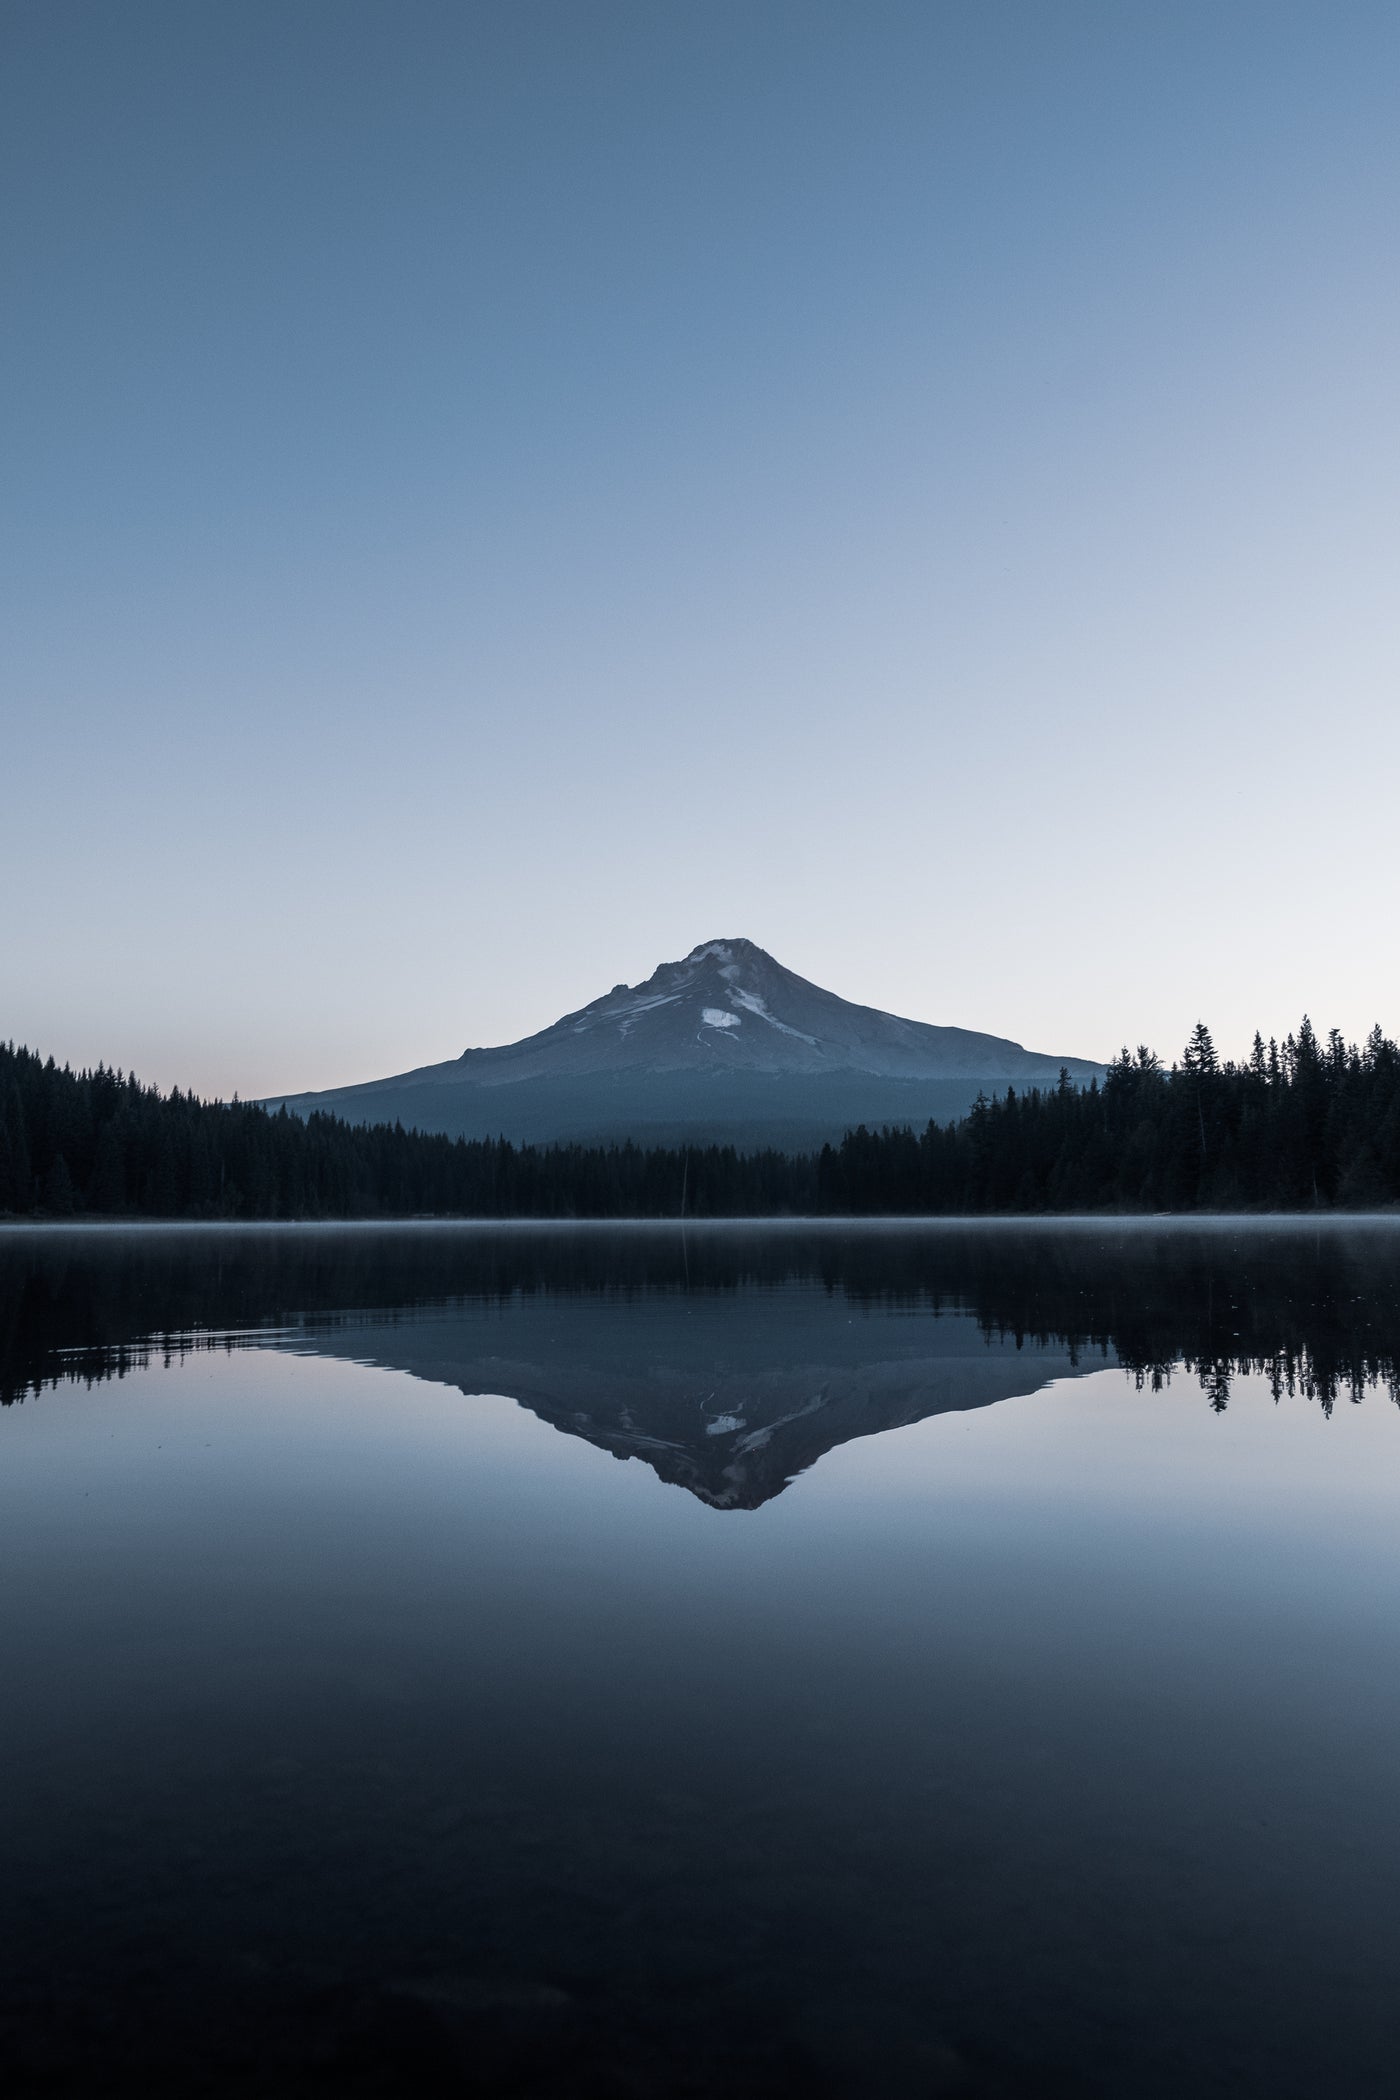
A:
{"x":1303,"y":1125}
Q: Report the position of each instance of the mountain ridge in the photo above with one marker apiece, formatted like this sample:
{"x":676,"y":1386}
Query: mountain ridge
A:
{"x":725,"y":1044}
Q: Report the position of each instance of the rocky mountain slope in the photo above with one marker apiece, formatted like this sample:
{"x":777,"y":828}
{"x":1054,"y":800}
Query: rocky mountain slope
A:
{"x":726,"y":1045}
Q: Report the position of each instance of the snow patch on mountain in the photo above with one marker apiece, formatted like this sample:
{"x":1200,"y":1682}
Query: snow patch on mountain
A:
{"x":645,"y":1006}
{"x":752,"y":1003}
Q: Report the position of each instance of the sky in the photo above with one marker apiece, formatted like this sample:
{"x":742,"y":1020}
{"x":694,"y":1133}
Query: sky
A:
{"x":494,"y":495}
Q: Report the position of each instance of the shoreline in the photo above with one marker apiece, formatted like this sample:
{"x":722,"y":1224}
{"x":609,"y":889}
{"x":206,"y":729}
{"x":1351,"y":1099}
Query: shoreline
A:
{"x":779,"y":1221}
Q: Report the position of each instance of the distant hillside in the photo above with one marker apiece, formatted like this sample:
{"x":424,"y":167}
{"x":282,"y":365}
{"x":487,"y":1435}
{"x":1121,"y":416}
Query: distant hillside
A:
{"x":724,"y":1047}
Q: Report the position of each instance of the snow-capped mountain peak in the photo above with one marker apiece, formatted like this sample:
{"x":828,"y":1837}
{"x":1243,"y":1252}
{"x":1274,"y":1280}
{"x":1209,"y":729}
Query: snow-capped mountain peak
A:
{"x":724,"y":1041}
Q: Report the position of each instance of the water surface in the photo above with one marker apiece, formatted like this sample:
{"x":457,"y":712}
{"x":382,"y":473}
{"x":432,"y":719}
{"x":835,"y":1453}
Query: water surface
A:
{"x":611,"y":1661}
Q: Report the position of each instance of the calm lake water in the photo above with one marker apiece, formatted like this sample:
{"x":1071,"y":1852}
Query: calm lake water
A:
{"x":610,"y":1662}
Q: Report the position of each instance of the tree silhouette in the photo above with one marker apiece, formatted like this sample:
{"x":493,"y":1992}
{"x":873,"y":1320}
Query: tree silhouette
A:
{"x":1296,"y":1127}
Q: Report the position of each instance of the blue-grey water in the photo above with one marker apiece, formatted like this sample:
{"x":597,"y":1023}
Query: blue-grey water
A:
{"x":613,"y":1662}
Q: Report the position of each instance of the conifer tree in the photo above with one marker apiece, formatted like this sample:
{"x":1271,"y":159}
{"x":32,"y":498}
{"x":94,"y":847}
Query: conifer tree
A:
{"x":58,"y":1189}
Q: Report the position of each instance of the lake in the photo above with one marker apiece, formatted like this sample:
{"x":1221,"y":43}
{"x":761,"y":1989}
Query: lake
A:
{"x":611,"y":1661}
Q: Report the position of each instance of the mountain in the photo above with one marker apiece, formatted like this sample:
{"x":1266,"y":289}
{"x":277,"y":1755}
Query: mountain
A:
{"x":725,"y":1045}
{"x":730,"y":1397}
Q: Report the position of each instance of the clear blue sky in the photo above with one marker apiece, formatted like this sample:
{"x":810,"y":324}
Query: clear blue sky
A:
{"x":494,"y":495}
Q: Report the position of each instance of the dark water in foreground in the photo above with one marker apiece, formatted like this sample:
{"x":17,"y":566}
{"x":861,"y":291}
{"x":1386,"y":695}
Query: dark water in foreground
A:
{"x":980,"y":1678}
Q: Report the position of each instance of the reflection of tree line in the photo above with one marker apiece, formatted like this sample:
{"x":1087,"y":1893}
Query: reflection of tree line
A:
{"x":1296,"y":1371}
{"x":1317,"y":1315}
{"x":1316,"y":1312}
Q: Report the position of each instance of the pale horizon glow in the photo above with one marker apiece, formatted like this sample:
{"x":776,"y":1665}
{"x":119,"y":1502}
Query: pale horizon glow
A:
{"x":496,"y":496}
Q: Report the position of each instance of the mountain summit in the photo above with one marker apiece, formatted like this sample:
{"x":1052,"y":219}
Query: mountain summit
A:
{"x":724,"y":1045}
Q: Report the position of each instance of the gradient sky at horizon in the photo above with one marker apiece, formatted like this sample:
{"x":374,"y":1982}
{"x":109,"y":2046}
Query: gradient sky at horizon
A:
{"x":495,"y":495}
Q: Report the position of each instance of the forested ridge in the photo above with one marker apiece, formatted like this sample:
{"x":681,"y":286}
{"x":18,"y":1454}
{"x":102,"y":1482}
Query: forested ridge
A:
{"x":1299,"y":1126}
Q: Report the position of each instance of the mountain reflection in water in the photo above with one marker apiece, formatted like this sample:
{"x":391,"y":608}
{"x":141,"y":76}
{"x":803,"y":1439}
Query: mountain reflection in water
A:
{"x":361,"y":1738}
{"x":728,"y":1358}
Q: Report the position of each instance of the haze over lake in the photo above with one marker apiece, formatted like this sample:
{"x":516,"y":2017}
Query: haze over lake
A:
{"x":799,"y":1660}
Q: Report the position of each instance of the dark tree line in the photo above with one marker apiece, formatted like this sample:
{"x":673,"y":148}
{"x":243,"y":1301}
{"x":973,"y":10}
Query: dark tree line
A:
{"x":1302,"y":1126}
{"x":98,"y":1143}
{"x":1298,"y":1127}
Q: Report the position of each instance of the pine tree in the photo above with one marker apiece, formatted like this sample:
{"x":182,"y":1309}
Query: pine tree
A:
{"x":12,"y":1117}
{"x":1201,"y":1064}
{"x":1199,"y":1055}
{"x":108,"y":1192}
{"x":58,"y":1189}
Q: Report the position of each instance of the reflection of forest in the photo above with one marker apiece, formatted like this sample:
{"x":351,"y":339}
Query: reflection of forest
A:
{"x":644,"y":1337}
